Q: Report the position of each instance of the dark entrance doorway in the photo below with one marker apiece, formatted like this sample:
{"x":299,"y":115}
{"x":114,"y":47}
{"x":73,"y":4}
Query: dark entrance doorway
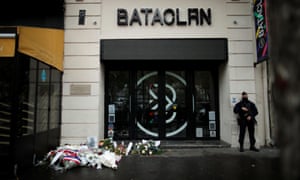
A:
{"x":162,"y":88}
{"x":161,"y":104}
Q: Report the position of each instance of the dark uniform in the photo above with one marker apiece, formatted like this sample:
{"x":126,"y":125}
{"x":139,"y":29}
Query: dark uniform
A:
{"x":246,"y":118}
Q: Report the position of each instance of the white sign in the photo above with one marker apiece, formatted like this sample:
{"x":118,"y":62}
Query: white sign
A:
{"x":199,"y":132}
{"x":212,"y":115}
{"x":212,"y":133}
{"x":111,"y":109}
{"x":212,"y":125}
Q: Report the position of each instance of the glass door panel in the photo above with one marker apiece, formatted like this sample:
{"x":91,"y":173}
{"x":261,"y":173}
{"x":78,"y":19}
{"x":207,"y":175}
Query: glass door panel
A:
{"x":6,"y":77}
{"x":159,"y":105}
{"x":27,"y":98}
{"x":204,"y":104}
{"x":118,"y":123}
{"x":175,"y":107}
{"x":165,"y":121}
{"x":147,"y":104}
{"x":43,"y":98}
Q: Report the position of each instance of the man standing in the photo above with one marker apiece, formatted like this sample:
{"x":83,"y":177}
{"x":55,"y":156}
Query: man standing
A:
{"x":246,"y":111}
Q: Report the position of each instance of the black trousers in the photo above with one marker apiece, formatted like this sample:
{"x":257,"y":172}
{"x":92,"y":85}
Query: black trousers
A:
{"x":243,"y":125}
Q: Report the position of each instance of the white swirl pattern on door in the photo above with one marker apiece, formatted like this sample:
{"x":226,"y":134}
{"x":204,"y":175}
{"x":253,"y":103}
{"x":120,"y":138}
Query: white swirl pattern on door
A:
{"x":170,"y":103}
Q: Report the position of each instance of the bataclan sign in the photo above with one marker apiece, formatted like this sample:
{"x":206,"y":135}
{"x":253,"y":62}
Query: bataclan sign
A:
{"x":168,"y":17}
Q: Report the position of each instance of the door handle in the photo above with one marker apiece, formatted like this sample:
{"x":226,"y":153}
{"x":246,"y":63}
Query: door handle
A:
{"x":130,"y":104}
{"x":193,"y":103}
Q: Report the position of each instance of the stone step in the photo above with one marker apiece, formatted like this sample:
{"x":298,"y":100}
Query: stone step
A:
{"x":193,"y":144}
{"x":186,"y":144}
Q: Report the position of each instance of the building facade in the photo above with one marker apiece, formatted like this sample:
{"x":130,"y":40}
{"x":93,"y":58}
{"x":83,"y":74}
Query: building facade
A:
{"x":136,"y":69}
{"x":31,"y":69}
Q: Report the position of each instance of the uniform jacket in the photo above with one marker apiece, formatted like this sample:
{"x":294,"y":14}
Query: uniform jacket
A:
{"x":242,"y":115}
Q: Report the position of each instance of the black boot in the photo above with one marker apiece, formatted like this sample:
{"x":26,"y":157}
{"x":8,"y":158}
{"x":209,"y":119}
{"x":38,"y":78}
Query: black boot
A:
{"x":241,"y":148}
{"x":253,"y":148}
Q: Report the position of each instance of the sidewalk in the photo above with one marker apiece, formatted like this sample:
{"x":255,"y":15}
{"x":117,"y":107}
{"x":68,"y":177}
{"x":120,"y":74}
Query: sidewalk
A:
{"x":182,"y":164}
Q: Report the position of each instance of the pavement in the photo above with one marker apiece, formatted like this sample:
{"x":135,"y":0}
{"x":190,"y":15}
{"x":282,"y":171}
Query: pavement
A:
{"x":207,"y":163}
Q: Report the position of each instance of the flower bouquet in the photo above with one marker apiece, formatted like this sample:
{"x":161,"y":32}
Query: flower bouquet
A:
{"x":147,"y":147}
{"x":106,"y":144}
{"x":70,"y":156}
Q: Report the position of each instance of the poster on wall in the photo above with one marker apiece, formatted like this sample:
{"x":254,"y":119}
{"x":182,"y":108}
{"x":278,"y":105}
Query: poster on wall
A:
{"x":199,"y":132}
{"x":212,"y":133}
{"x":212,"y":125}
{"x":111,"y":118}
{"x":261,"y":30}
{"x":110,"y":130}
{"x":212,"y":115}
{"x":111,"y":109}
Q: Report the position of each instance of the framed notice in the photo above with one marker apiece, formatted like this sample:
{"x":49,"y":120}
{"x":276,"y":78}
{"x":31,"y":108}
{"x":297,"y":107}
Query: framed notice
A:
{"x":212,"y":115}
{"x":212,"y":125}
{"x":111,"y":109}
{"x":199,"y":132}
{"x":111,"y":118}
{"x":110,"y":133}
{"x":212,"y":134}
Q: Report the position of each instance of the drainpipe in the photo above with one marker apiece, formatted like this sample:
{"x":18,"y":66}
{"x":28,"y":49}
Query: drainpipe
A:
{"x":268,"y":130}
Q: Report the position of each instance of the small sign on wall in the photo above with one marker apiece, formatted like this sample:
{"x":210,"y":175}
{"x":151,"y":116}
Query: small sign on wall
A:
{"x":111,"y":109}
{"x":212,"y":134}
{"x":80,"y":89}
{"x":233,"y":100}
{"x":199,"y":132}
{"x":212,"y":125}
{"x":110,"y":133}
{"x":212,"y":115}
{"x":111,"y":118}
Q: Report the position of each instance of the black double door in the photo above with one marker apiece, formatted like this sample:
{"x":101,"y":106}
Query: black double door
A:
{"x":161,"y":104}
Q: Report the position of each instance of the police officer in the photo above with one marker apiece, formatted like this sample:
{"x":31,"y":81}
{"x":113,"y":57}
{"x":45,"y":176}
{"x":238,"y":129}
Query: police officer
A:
{"x":246,"y":111}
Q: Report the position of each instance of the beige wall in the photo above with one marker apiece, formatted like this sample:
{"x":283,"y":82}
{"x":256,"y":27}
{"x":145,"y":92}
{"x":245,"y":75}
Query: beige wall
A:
{"x":83,"y":115}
